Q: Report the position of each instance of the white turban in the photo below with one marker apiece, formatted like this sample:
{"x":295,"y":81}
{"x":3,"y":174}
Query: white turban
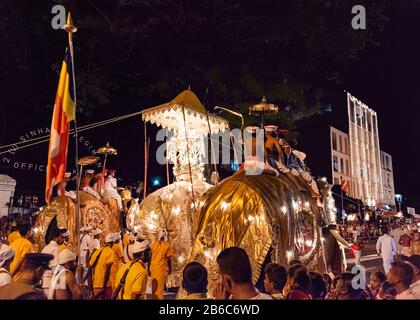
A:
{"x":110,"y":238}
{"x":138,"y":247}
{"x":95,"y":244}
{"x":96,"y":232}
{"x":6,"y":253}
{"x":65,"y":256}
{"x":117,"y":236}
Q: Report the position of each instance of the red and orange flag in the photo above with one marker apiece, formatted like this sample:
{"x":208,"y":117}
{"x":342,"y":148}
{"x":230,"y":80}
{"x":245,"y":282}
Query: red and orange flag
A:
{"x":64,"y":113}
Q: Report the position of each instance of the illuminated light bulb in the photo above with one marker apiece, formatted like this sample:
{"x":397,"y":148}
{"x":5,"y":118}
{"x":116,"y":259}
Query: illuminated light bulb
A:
{"x":324,"y":179}
{"x":153,"y":215}
{"x":289,"y":255}
{"x":322,"y":239}
{"x":181,"y":259}
{"x":250,"y":218}
{"x":176,"y":211}
{"x":225,"y":205}
{"x":36,"y":230}
{"x":294,"y":205}
{"x":307,"y":204}
{"x":284,"y":209}
{"x":207,"y":254}
{"x":308,"y":243}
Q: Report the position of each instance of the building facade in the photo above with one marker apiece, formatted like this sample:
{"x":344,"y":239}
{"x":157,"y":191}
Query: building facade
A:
{"x":340,"y":157}
{"x":7,"y":189}
{"x":387,"y":179}
{"x":366,"y":172}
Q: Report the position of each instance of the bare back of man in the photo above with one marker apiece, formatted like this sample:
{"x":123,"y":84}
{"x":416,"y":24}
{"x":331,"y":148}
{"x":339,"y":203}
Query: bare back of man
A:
{"x":70,"y":290}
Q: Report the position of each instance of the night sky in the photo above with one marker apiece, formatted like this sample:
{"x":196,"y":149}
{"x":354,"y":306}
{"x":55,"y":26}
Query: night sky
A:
{"x":386,"y":78}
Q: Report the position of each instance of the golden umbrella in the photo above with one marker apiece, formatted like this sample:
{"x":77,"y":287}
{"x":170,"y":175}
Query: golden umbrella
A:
{"x":107,"y":150}
{"x":263,"y":109}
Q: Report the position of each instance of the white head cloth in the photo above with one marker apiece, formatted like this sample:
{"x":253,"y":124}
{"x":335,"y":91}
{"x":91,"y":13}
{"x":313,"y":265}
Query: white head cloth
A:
{"x":6,"y":253}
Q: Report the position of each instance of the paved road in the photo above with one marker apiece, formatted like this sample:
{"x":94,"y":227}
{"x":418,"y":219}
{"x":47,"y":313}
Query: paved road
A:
{"x":370,"y":260}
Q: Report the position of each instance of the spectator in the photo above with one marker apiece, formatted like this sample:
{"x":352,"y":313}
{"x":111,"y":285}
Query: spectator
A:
{"x":386,"y":292}
{"x":376,"y":280}
{"x":396,"y":233}
{"x":194,"y":281}
{"x":294,"y":262}
{"x":6,"y":257}
{"x":275,"y":280}
{"x":236,"y":276}
{"x":318,"y":286}
{"x":328,"y":281}
{"x":401,"y":277}
{"x":405,"y":242}
{"x":357,"y":251}
{"x":415,"y":286}
{"x":290,"y":276}
{"x":301,"y":285}
{"x":386,"y":248}
{"x":415,"y":244}
{"x":345,"y":289}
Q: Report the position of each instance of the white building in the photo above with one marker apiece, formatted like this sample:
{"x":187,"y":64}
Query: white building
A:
{"x":7,"y":188}
{"x":365,"y":153}
{"x":387,"y":179}
{"x":340,"y":157}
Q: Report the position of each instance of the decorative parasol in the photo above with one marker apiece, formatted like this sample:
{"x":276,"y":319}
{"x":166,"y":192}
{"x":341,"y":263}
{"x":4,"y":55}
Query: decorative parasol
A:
{"x":263,"y":109}
{"x":190,"y":122}
{"x":107,"y":150}
{"x":89,"y":160}
{"x":170,"y":115}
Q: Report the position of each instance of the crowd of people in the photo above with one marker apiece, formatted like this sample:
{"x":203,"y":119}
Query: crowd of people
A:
{"x":110,"y":267}
{"x":129,"y":268}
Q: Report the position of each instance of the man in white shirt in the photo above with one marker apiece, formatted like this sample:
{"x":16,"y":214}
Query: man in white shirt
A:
{"x":111,"y":189}
{"x":401,"y":277}
{"x":396,"y":234}
{"x":6,"y":258}
{"x":236,"y":277}
{"x":85,"y":241}
{"x":53,"y":249}
{"x":386,"y":248}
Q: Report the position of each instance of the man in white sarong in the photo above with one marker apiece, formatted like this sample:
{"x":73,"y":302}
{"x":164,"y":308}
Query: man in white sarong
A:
{"x":387,"y":249}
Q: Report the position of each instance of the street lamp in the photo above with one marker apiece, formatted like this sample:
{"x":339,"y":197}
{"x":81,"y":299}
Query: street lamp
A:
{"x":398,"y":198}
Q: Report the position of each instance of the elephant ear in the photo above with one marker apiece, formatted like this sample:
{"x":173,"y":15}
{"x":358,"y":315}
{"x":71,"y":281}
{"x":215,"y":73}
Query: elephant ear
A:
{"x":51,"y":228}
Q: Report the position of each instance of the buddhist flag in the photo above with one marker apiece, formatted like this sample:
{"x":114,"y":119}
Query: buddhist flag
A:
{"x":64,"y":113}
{"x":345,"y":186}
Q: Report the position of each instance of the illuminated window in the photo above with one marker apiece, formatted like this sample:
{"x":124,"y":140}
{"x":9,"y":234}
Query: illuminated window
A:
{"x":335,"y":163}
{"x":334,"y":141}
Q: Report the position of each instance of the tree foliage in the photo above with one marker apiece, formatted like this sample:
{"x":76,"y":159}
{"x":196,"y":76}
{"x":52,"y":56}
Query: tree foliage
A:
{"x":132,"y":53}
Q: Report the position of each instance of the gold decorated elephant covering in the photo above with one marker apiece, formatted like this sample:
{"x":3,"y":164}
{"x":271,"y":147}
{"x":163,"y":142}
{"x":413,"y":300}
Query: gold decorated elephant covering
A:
{"x":257,"y":213}
{"x":64,"y":210}
{"x":171,"y":208}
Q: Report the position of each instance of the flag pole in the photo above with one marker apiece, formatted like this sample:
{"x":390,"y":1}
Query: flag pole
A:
{"x":70,"y":28}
